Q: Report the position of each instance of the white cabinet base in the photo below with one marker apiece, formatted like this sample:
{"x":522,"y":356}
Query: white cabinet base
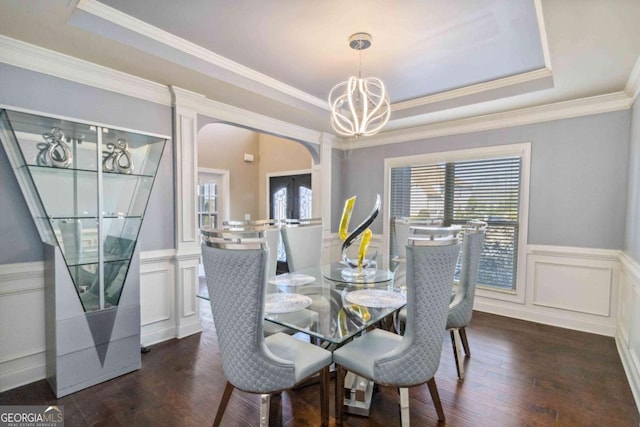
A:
{"x":84,"y":349}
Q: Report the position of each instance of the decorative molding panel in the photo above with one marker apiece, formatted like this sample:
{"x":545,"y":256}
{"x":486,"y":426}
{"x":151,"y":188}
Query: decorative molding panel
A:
{"x":156,"y":294}
{"x":628,"y":333}
{"x":22,"y":353}
{"x":570,"y":287}
{"x":574,"y":288}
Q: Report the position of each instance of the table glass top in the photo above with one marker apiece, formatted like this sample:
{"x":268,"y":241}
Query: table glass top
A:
{"x":340,"y":305}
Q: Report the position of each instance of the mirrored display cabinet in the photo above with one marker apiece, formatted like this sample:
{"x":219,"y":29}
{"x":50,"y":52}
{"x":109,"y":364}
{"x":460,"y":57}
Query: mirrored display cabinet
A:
{"x":87,"y":187}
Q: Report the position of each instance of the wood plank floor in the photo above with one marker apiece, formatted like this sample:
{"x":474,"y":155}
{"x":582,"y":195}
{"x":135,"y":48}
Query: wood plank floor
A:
{"x":520,"y":374}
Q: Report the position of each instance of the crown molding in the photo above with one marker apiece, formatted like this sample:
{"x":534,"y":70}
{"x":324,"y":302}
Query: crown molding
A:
{"x":505,"y":82}
{"x":118,"y":18}
{"x":560,"y":110}
{"x":633,"y":82}
{"x":39,"y":59}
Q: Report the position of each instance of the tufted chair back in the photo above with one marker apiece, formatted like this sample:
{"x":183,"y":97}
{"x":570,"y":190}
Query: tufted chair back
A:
{"x":236,"y":279}
{"x":430,"y":269}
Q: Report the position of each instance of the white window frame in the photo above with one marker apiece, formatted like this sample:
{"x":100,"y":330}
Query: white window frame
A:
{"x":522,"y":150}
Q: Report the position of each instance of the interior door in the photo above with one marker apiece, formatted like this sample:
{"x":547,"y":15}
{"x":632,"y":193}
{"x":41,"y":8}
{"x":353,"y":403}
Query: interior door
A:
{"x":209,"y":186}
{"x":290,"y":197}
{"x":210,"y":201}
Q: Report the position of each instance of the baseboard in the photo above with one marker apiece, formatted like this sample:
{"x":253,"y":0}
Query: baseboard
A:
{"x":186,"y":329}
{"x":155,"y":336}
{"x":633,"y":376}
{"x":524,"y":312}
{"x":23,"y":370}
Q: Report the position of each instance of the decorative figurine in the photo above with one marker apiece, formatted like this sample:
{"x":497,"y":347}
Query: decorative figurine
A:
{"x":361,"y":267}
{"x":54,"y":152}
{"x":117,"y":157}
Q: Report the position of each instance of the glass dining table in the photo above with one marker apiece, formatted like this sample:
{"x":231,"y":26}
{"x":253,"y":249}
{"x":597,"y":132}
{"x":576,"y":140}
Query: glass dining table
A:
{"x":332,"y":305}
{"x":329,"y":304}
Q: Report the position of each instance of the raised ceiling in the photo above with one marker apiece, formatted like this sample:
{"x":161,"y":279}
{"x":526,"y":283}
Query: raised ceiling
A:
{"x":440,"y":59}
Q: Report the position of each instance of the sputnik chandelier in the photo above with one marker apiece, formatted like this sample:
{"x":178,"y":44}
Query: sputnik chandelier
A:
{"x":359,"y":106}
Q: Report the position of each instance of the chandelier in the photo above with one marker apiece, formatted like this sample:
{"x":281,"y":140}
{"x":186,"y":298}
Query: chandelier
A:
{"x":359,"y":106}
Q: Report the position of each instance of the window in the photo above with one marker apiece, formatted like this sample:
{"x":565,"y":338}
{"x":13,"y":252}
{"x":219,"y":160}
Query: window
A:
{"x":456,"y":188}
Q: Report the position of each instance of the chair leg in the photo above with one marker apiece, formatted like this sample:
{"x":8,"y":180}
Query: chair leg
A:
{"x":433,"y":389}
{"x":465,"y":343}
{"x":457,"y":352}
{"x":265,"y":403}
{"x":404,"y":407}
{"x":226,"y":395}
{"x":324,"y":396}
{"x":339,"y":393}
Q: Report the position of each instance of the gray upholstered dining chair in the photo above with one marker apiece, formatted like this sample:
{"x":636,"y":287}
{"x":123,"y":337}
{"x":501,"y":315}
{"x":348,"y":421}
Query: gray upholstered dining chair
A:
{"x":303,"y":244}
{"x":433,"y":231}
{"x":413,"y":359}
{"x":461,"y":308}
{"x":271,"y":231}
{"x":235,"y":270}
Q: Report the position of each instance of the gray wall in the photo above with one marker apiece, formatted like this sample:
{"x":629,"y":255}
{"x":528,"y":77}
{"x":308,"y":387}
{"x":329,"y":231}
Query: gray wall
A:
{"x":632,"y":234}
{"x":578,"y":177}
{"x":20,"y":88}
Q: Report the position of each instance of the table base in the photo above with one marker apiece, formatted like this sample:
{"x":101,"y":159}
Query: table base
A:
{"x":358,"y":392}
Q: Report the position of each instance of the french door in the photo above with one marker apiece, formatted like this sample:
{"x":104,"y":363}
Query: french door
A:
{"x":290,"y":197}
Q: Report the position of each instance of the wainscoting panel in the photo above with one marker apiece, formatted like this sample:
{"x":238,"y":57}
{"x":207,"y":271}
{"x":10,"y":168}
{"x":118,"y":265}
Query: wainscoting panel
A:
{"x":573,"y":288}
{"x":570,"y":286}
{"x":22,"y":336}
{"x":157,"y":273}
{"x":628,"y":333}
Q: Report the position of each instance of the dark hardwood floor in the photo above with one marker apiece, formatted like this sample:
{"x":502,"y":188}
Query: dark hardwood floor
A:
{"x":520,"y":374}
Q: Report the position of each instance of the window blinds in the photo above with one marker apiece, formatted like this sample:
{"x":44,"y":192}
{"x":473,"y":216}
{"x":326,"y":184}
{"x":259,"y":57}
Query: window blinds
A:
{"x":487,"y":189}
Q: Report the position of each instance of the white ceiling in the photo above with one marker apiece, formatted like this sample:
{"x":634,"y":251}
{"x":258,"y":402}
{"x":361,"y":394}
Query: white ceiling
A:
{"x":440,"y":59}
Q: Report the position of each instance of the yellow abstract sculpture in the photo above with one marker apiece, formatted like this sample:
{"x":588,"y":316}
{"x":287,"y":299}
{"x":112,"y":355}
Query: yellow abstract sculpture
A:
{"x":362,"y":229}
